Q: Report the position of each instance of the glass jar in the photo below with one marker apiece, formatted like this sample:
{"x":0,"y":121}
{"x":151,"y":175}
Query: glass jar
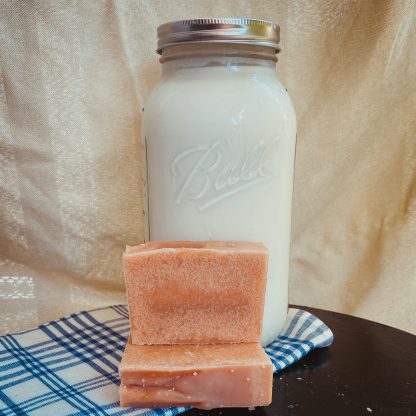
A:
{"x":219,"y":142}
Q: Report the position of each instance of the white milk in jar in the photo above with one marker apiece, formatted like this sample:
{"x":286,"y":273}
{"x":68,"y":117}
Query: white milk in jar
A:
{"x":219,"y":142}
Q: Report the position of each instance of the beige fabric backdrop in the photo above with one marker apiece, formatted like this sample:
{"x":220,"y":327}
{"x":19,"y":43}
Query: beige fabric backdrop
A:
{"x":73,"y":77}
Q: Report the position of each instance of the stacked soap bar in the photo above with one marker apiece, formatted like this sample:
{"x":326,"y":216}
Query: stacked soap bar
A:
{"x":196,"y":293}
{"x":196,"y":311}
{"x":203,"y":376}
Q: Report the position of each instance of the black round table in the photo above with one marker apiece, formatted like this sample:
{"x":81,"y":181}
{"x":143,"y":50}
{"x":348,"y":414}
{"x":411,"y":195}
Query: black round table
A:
{"x":370,"y":369}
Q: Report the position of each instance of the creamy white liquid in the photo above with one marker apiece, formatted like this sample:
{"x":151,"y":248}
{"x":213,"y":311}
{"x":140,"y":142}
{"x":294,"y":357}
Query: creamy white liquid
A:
{"x":220,"y":144}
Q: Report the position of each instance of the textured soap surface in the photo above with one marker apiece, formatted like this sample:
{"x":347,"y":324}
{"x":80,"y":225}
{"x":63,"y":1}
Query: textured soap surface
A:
{"x":196,"y":292}
{"x":203,"y":376}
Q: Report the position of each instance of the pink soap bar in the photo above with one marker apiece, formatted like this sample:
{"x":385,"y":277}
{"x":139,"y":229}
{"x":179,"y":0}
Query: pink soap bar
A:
{"x":202,"y":376}
{"x":196,"y":292}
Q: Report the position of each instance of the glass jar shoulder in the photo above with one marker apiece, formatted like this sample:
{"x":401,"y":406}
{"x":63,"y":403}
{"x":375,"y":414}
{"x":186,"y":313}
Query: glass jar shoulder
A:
{"x":251,"y":97}
{"x":173,"y":90}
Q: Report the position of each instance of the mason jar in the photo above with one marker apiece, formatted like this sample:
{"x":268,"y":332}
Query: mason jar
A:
{"x":219,"y":135}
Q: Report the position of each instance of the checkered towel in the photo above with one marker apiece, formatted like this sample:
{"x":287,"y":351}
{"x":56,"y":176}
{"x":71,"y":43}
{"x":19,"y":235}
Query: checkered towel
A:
{"x":69,"y":366}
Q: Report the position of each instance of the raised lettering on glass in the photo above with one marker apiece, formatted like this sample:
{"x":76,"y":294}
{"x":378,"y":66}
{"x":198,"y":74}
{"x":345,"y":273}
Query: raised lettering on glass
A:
{"x":208,"y":176}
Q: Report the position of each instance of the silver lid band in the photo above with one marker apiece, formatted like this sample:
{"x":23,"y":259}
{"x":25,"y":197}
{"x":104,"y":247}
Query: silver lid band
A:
{"x":219,"y":30}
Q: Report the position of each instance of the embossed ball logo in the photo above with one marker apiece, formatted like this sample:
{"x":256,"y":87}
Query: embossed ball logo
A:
{"x":208,"y":175}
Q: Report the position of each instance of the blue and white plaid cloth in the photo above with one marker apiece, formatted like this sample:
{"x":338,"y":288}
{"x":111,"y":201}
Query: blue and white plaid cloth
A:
{"x":70,"y":366}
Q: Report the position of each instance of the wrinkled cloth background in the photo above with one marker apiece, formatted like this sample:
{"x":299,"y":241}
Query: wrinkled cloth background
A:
{"x":74,"y":75}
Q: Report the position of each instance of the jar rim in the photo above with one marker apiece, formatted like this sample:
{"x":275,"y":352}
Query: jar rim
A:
{"x":219,"y":30}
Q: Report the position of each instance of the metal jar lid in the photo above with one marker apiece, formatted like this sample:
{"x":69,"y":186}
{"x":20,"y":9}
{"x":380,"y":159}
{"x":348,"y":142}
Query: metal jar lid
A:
{"x":221,"y":30}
